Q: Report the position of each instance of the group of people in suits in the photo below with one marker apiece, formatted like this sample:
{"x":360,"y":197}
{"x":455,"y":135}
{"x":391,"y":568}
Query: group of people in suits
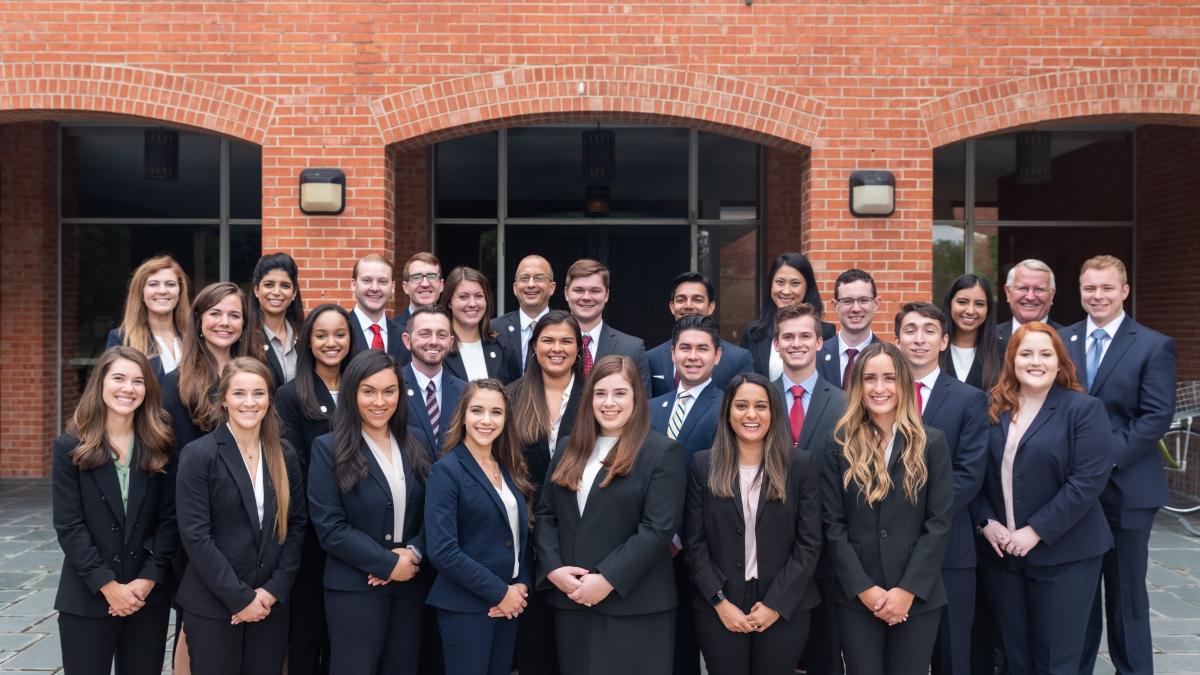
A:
{"x":444,"y":491}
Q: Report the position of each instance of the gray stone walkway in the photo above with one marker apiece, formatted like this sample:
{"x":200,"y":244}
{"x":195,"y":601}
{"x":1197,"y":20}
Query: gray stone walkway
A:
{"x":30,"y":561}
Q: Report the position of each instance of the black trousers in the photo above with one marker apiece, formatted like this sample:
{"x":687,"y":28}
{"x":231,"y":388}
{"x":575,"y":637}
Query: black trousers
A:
{"x":308,"y":641}
{"x":137,"y":642}
{"x":217,"y":647}
{"x":952,"y":649}
{"x":1126,"y":605}
{"x":375,"y":631}
{"x":591,"y":643}
{"x":1042,"y":611}
{"x":774,"y":651}
{"x":987,"y":656}
{"x":476,"y":644}
{"x":536,"y":652}
{"x":824,"y":653}
{"x":687,"y":650}
{"x":871,"y":647}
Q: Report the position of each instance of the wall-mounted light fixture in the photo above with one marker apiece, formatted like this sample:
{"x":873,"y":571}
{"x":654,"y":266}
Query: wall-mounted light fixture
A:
{"x":872,"y":193}
{"x":322,"y":192}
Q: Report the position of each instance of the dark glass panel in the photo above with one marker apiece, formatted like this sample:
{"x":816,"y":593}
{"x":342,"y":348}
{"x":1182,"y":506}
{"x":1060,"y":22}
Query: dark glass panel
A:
{"x":245,"y":180}
{"x":466,"y":177}
{"x":728,"y":178}
{"x":949,"y":182}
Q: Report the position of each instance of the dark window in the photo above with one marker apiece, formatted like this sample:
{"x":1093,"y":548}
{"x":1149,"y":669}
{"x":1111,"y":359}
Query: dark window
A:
{"x":728,"y":178}
{"x":245,"y":180}
{"x":466,"y":177}
{"x":949,"y":182}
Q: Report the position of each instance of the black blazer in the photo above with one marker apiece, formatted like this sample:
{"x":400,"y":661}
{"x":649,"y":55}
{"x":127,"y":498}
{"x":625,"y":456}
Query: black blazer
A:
{"x":272,"y":361}
{"x":734,"y":360}
{"x":537,"y":455}
{"x":788,"y":540}
{"x":623,"y":533}
{"x":829,"y":359}
{"x":959,"y":411}
{"x":891,"y":543}
{"x":508,"y":334}
{"x":356,"y":528}
{"x":395,"y":344}
{"x":229,"y":553}
{"x":1061,"y":468}
{"x":760,"y":347}
{"x":298,"y":428}
{"x":974,"y":373}
{"x":613,"y":341}
{"x":496,"y":356}
{"x":184,"y":428}
{"x":103,"y":542}
{"x":1004,"y":332}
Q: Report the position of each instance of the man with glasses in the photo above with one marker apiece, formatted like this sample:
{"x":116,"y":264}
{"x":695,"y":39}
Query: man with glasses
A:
{"x":856,"y":300}
{"x":373,"y":288}
{"x":421,"y":282}
{"x":533,"y":284}
{"x":1029,"y":290}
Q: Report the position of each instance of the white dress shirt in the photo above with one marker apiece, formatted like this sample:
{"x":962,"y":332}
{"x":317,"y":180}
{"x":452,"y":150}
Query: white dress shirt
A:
{"x":887,"y":452}
{"x":774,"y":365}
{"x":527,"y":330}
{"x":594,"y":334}
{"x":604,"y":445}
{"x":963,"y":358}
{"x":167,"y":357}
{"x":510,"y":509}
{"x":471,"y":354}
{"x":928,"y":381}
{"x":393,"y":470}
{"x":366,"y":323}
{"x":842,"y":358}
{"x":691,"y":400}
{"x":257,"y":477}
{"x":556,"y":425}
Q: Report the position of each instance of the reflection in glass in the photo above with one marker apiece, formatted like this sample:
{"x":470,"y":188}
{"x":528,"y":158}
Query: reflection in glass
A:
{"x":947,"y":257}
{"x":949,"y":182}
{"x":728,"y":254}
{"x":728,"y":178}
{"x":465,"y":176}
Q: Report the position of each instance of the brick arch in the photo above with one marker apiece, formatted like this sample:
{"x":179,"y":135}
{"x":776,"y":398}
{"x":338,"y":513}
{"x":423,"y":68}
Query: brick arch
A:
{"x":482,"y":102}
{"x":39,"y":90}
{"x":1169,"y":95}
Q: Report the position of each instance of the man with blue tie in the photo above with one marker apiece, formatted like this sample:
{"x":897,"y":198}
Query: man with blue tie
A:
{"x":533,"y":284}
{"x":693,"y":294}
{"x":960,"y":412}
{"x":432,"y":392}
{"x":855,"y":299}
{"x":814,"y":406}
{"x":1131,"y":368}
{"x":688,"y":415}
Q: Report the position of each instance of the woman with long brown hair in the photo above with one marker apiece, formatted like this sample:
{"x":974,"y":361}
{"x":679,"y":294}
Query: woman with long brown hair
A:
{"x":604,"y":525}
{"x":752,"y":536}
{"x":112,"y":602}
{"x":475,"y":353}
{"x":241,"y":507}
{"x":476,"y":528}
{"x":1050,"y":454}
{"x":888,"y":495}
{"x":157,"y":310}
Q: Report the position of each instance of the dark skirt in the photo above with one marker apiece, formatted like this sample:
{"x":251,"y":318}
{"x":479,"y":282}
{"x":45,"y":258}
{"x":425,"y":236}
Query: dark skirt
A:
{"x":591,"y":643}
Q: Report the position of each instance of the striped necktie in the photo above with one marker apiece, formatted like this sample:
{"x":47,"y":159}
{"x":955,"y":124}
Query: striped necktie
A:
{"x":431,"y":407}
{"x":678,"y":415}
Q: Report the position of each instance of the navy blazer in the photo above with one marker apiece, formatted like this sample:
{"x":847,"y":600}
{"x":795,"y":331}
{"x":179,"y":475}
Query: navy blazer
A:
{"x":101,"y":540}
{"x":298,"y":428}
{"x":613,"y":341}
{"x":1004,"y":332}
{"x":508,"y":334}
{"x":891,"y":543}
{"x":700,"y":425}
{"x":959,"y":411}
{"x":356,"y":528}
{"x":494,"y":354}
{"x":395,"y":343}
{"x":974,"y":375}
{"x":1061,"y":467}
{"x":760,"y":348}
{"x":229,"y":552}
{"x":829,"y":359}
{"x":734,"y":360}
{"x":469,"y":538}
{"x":418,"y":416}
{"x":1136,"y":382}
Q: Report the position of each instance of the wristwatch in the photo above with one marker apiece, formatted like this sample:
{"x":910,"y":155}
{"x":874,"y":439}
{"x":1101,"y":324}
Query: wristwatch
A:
{"x":717,"y":599}
{"x":982,"y":524}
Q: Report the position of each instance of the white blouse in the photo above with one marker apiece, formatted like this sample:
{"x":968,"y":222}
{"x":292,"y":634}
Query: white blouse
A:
{"x":510,"y":508}
{"x":604,"y":445}
{"x":775,"y":365}
{"x":556,"y":425}
{"x":393,"y":471}
{"x":167,"y":356}
{"x":473,"y":361}
{"x":963,"y":358}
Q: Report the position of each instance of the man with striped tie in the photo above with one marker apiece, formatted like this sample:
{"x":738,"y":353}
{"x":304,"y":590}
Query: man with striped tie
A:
{"x":688,"y":414}
{"x":432,"y":392}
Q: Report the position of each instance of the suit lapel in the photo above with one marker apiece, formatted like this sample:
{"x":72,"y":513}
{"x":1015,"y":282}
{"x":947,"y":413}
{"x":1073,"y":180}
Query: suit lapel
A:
{"x":606,"y":344}
{"x":468,"y":462}
{"x":1044,"y":414}
{"x":227,"y":448}
{"x":829,"y":361}
{"x":737,"y":497}
{"x":894,"y":460}
{"x":454,"y":365}
{"x":416,"y":400}
{"x":105,"y":476}
{"x":360,"y":340}
{"x":376,"y":471}
{"x":267,"y":530}
{"x":937,"y":397}
{"x":661,"y":415}
{"x":324,"y":398}
{"x":138,"y":482}
{"x":492,"y":356}
{"x":1076,"y":347}
{"x":816,"y":407}
{"x":700,"y":406}
{"x":1120,"y":344}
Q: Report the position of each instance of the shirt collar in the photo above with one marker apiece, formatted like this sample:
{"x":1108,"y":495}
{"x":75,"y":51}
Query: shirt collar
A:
{"x":526,"y":322}
{"x":930,"y":379}
{"x":808,"y":384}
{"x":861,"y":346}
{"x":284,"y":344}
{"x":594,"y":333}
{"x":694,"y":391}
{"x":423,"y":380}
{"x":1111,"y":328}
{"x":365,"y":321}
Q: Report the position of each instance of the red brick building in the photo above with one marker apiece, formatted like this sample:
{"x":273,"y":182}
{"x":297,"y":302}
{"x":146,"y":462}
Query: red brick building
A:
{"x":737,"y":126}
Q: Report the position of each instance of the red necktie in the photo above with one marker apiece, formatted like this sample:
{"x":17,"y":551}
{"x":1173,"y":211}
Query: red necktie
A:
{"x":850,"y":354}
{"x":920,"y":398}
{"x":587,"y":354}
{"x":377,"y":337}
{"x":796,"y":415}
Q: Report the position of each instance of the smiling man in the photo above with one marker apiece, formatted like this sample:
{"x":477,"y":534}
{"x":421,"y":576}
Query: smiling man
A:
{"x":587,"y":295}
{"x":432,"y":392}
{"x":856,"y":300}
{"x":1029,"y":290}
{"x":421,"y":281}
{"x":533,"y":285}
{"x":373,"y":287}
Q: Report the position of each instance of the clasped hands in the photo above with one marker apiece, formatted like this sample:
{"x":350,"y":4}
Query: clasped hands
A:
{"x":258,"y":609}
{"x":581,"y":586}
{"x":759,"y":619}
{"x":1004,"y":540}
{"x":407,"y":566}
{"x":512,"y":604}
{"x":125,"y":599}
{"x":890,"y":606}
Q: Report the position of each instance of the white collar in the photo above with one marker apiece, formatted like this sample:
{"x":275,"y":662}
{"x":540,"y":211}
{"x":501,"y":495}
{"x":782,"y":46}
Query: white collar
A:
{"x":365,"y":321}
{"x":594,"y":333}
{"x":930,"y":379}
{"x":860,"y":346}
{"x":694,"y":391}
{"x":525,"y":319}
{"x":1111,"y":328}
{"x":423,"y":381}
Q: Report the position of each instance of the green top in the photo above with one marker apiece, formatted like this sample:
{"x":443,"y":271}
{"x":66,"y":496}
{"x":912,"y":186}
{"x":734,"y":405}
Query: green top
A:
{"x":123,"y":476}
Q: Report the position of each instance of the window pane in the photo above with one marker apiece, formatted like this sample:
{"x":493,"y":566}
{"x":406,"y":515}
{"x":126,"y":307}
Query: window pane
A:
{"x":728,"y":178}
{"x":245,"y":180}
{"x":466,"y":177}
{"x":104,"y":176}
{"x":1091,"y":178}
{"x":947,"y":257}
{"x":949,"y":187}
{"x":245,"y":248}
{"x":545,"y":173}
{"x":728,"y":254}
{"x":470,"y":245}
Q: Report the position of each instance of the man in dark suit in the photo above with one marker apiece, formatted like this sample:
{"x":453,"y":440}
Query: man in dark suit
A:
{"x":1029,"y":289}
{"x":533,"y":285}
{"x":811,"y":416}
{"x":693,"y":294}
{"x":688,"y":415}
{"x":1131,"y":368}
{"x":960,"y":412}
{"x":373,"y":288}
{"x":433,"y":392}
{"x":422,"y":281}
{"x":587,"y":294}
{"x":856,"y":300}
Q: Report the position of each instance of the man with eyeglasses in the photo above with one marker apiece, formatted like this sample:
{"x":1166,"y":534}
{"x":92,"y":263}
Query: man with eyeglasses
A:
{"x":373,"y":288}
{"x":533,"y":284}
{"x":421,"y":282}
{"x":856,"y":300}
{"x":1029,"y":290}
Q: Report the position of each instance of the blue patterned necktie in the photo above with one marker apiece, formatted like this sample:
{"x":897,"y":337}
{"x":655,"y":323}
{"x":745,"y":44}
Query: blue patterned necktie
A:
{"x":1099,"y":337}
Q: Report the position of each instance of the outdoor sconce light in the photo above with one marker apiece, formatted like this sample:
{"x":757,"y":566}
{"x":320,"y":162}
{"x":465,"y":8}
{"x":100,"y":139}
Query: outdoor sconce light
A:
{"x":872,"y":193}
{"x":322,"y":192}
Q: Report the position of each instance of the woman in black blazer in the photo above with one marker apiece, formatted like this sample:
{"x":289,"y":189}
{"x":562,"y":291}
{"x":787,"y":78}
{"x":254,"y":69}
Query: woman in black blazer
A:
{"x":792,"y":282}
{"x":1050,"y":454}
{"x":545,"y":402}
{"x":157,"y":311}
{"x":974,"y":355}
{"x":305,"y":407}
{"x":114,"y":512}
{"x":752,"y":536}
{"x":276,"y":312}
{"x":605,"y":519}
{"x":476,"y":528}
{"x":476,"y":353}
{"x":240,"y":503}
{"x":888,"y":494}
{"x":366,"y":494}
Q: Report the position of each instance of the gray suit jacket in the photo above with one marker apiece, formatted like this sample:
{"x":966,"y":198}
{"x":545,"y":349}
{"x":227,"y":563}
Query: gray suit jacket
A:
{"x":613,"y":341}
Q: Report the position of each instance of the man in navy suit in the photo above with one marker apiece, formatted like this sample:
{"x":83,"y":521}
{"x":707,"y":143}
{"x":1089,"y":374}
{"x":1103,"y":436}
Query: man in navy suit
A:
{"x":1029,"y":290}
{"x":422,"y":282}
{"x":1132,"y":370}
{"x":811,"y":416}
{"x":587,"y":294}
{"x":432,"y":392}
{"x":373,"y":288}
{"x":688,"y":414}
{"x":960,"y":412}
{"x":692,"y":294}
{"x":533,"y":285}
{"x":856,"y":300}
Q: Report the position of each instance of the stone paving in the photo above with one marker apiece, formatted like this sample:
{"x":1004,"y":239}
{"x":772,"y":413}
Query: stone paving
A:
{"x":30,"y":560}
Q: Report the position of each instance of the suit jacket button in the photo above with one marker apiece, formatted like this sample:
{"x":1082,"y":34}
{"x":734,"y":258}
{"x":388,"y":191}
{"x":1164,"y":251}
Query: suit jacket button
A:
{"x":883,"y":534}
{"x":260,"y":563}
{"x":389,"y":505}
{"x":739,"y":566}
{"x":116,"y":527}
{"x":117,"y":559}
{"x":739,"y":530}
{"x":387,"y":537}
{"x":508,"y":543}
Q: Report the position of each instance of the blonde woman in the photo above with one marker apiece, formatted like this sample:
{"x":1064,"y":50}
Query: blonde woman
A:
{"x":157,"y":313}
{"x":888,"y":497}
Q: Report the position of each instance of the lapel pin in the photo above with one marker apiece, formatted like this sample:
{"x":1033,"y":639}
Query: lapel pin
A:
{"x":828,"y":357}
{"x":492,"y":355}
{"x":266,"y":348}
{"x":664,"y":404}
{"x":1074,"y":338}
{"x":410,"y":392}
{"x":323,"y":409}
{"x":511,"y":329}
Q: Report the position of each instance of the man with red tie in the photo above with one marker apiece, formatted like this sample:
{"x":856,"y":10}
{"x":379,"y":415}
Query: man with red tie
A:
{"x":855,"y":299}
{"x":813,"y":405}
{"x":373,"y":286}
